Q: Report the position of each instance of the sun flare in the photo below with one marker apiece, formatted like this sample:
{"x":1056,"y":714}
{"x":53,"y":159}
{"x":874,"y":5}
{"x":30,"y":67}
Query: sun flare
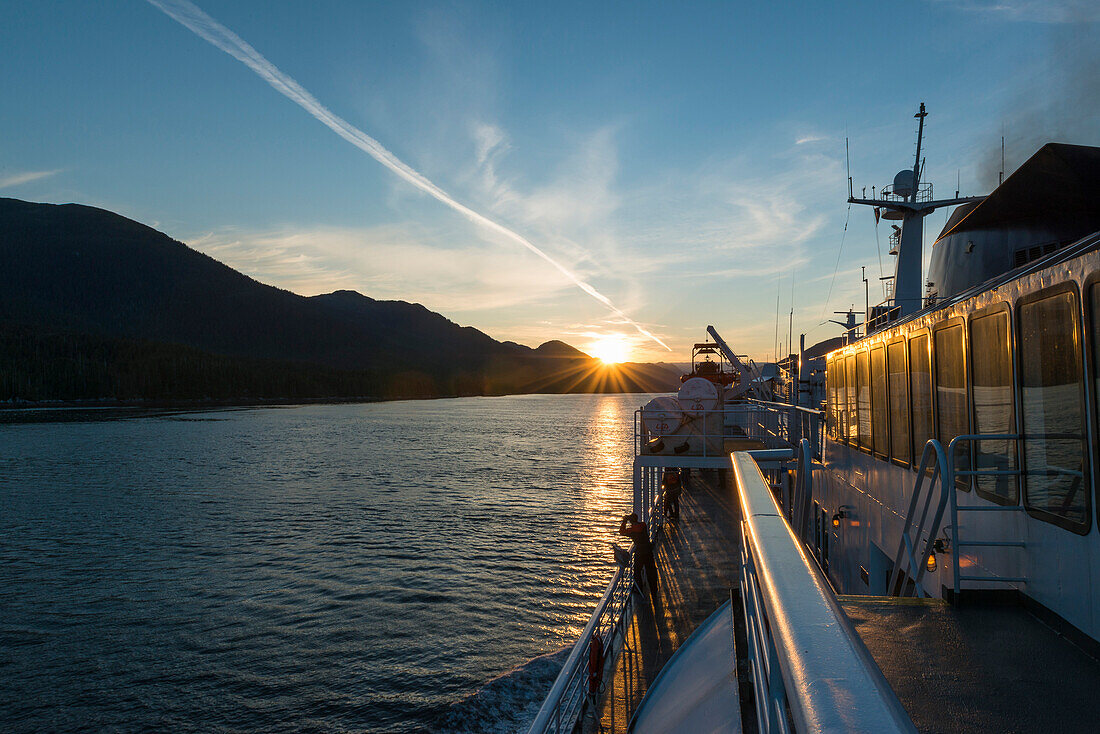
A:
{"x":610,"y":349}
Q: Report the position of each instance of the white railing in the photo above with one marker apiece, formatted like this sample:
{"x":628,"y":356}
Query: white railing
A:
{"x":774,"y":425}
{"x":800,"y":422}
{"x":923,"y":193}
{"x":921,"y":529}
{"x":811,"y":671}
{"x":572,"y":688}
{"x":957,"y":543}
{"x":576,"y":687}
{"x":778,"y":426}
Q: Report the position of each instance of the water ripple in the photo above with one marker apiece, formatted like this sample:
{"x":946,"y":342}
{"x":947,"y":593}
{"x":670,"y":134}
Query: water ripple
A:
{"x":319,"y":568}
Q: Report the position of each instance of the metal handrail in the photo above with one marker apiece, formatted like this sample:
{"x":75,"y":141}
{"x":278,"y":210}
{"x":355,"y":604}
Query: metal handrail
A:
{"x":922,"y":194}
{"x":785,"y":406}
{"x":970,"y":438}
{"x":805,"y":656}
{"x":777,"y":424}
{"x":564,"y":704}
{"x":942,"y":470}
{"x":763,"y":423}
{"x":802,"y":495}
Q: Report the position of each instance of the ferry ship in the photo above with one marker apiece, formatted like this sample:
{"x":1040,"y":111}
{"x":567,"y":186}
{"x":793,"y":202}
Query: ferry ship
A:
{"x":894,"y":530}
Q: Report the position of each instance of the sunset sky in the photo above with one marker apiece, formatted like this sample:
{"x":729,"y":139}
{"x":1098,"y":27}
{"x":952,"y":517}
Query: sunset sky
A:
{"x":570,"y":170}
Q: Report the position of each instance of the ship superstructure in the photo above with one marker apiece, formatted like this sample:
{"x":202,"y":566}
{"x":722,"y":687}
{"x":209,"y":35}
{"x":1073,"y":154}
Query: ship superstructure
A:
{"x":909,"y":512}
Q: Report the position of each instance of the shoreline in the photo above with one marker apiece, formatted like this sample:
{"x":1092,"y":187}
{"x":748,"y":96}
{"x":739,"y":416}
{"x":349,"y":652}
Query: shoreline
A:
{"x":51,"y":411}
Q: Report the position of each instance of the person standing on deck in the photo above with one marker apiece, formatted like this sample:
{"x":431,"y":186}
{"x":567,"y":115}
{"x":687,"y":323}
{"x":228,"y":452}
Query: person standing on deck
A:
{"x":673,"y":486}
{"x":637,"y":531}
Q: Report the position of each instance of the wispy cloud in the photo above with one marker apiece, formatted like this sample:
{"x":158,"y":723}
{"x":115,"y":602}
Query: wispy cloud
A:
{"x":1036,"y":11}
{"x":744,"y":211}
{"x":390,"y":262}
{"x":191,"y":17}
{"x":15,"y":178}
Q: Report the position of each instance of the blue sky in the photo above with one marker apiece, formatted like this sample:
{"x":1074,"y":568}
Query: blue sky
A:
{"x":686,"y":161}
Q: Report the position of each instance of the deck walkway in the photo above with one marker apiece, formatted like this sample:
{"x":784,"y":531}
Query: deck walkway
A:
{"x":698,"y":559}
{"x":974,"y":669}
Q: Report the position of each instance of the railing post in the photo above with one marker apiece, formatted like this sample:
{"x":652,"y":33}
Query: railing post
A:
{"x":955,"y":581}
{"x":637,"y":488}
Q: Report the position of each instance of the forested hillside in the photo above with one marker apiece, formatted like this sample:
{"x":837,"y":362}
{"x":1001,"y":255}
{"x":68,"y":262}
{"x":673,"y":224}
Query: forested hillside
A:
{"x":97,"y":306}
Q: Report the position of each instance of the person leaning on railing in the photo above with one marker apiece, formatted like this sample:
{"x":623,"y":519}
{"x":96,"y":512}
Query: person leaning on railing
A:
{"x":637,"y":531}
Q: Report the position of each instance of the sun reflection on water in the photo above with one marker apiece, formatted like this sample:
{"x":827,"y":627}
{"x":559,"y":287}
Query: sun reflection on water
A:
{"x":474,"y":534}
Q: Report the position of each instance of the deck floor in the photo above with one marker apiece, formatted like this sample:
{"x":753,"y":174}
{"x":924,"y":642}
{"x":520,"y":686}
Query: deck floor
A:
{"x":978,"y":668}
{"x":698,"y":560}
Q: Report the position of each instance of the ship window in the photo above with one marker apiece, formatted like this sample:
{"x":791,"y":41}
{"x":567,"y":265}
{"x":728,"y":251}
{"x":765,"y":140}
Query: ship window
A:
{"x":863,"y":399}
{"x":1052,"y":409}
{"x":991,"y":391}
{"x":850,"y":423}
{"x":951,"y":417}
{"x":878,"y":400}
{"x":920,"y":386}
{"x":899,"y":403}
{"x":1094,"y":297}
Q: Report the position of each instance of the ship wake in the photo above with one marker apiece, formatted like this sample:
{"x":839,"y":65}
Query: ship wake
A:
{"x":506,"y":704}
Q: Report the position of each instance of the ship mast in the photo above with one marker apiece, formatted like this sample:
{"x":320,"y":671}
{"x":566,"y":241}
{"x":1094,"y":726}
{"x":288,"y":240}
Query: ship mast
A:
{"x":910,"y":202}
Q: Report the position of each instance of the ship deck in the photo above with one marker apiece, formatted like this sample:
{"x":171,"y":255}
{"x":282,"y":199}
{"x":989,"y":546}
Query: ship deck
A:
{"x":964,"y":669}
{"x":698,"y":560}
{"x":978,"y":668}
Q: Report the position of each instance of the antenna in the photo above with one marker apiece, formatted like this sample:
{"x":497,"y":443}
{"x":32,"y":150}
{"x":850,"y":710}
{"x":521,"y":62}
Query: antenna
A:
{"x":790,"y":331}
{"x":777,"y":318}
{"x":866,"y":294}
{"x":958,"y":182}
{"x":1001,"y":178}
{"x":916,"y":161}
{"x":906,"y":202}
{"x":848,"y":165}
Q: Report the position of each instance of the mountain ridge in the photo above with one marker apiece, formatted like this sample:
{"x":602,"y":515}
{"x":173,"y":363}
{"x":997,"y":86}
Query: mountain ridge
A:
{"x":78,"y":281}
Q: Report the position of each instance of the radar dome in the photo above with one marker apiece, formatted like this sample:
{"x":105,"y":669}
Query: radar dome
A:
{"x":903,"y":183}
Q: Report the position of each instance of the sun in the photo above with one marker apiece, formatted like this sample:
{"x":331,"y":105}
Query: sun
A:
{"x":610,"y":349}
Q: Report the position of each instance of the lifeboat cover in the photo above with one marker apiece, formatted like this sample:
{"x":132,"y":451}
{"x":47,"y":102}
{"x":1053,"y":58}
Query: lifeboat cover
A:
{"x":697,"y":395}
{"x":662,"y":416}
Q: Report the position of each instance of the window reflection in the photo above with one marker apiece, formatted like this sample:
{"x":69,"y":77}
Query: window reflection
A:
{"x":951,"y":416}
{"x":851,"y":423}
{"x":1052,"y":408}
{"x":863,"y":399}
{"x":920,"y":377}
{"x":991,"y":378}
{"x":878,"y":400}
{"x":899,"y":402}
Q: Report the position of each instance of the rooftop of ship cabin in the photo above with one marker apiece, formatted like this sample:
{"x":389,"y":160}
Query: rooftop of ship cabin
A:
{"x":1058,"y":181}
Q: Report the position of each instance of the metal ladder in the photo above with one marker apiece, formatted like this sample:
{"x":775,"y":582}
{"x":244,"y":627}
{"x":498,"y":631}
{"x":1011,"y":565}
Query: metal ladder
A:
{"x":906,"y":565}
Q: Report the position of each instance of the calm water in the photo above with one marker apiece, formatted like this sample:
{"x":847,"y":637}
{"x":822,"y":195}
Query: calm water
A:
{"x":328,"y":568}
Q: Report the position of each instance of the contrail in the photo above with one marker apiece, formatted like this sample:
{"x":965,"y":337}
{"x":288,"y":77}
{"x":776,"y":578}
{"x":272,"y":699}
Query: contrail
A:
{"x":193,"y":18}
